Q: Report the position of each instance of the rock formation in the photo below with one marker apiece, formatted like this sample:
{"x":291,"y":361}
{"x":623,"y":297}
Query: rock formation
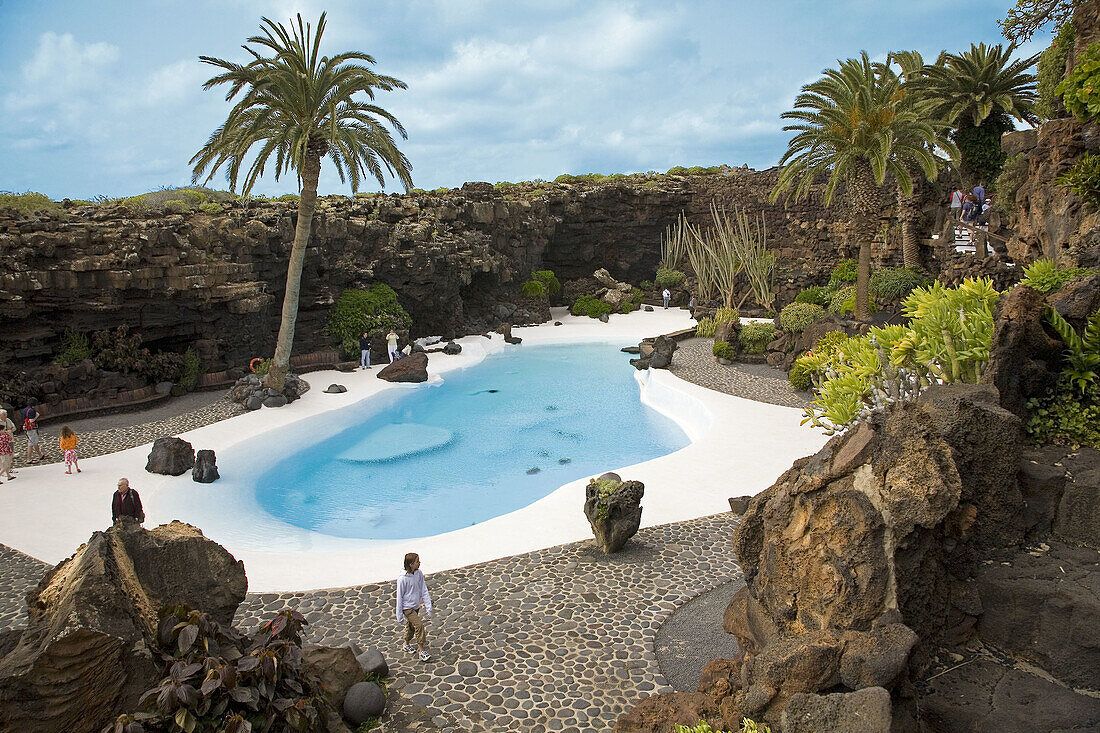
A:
{"x":614,"y":510}
{"x":655,"y":352}
{"x":85,"y":653}
{"x":412,"y":368}
{"x":170,"y":457}
{"x":251,"y":392}
{"x":205,"y":470}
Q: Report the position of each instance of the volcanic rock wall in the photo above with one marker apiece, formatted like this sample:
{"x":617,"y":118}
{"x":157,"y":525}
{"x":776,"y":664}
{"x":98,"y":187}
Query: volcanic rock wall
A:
{"x":456,"y":259}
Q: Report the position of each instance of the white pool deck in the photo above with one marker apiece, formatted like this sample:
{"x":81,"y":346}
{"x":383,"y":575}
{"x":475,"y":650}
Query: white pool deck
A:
{"x":739,"y":447}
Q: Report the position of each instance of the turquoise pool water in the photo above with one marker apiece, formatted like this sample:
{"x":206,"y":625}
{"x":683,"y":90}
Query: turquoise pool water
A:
{"x":489,"y":440}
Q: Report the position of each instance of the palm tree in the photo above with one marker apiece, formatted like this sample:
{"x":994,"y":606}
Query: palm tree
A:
{"x":979,"y":91}
{"x":912,"y":71}
{"x":853,"y":130}
{"x":301,"y":107}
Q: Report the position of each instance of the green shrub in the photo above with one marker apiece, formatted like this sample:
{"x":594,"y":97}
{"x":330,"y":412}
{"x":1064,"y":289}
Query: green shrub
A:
{"x":844,"y":301}
{"x":1043,"y":275}
{"x":894,"y":283}
{"x":817,"y":294}
{"x":1082,"y":350}
{"x":1052,"y":67}
{"x":646,"y":285}
{"x":192,"y":196}
{"x":724,"y":350}
{"x":795,"y":317}
{"x":846,"y":271}
{"x":534,"y":289}
{"x":705,"y":327}
{"x":1080,"y":89}
{"x":263,"y":367}
{"x":31,"y":203}
{"x":755,"y":337}
{"x":627,"y":307}
{"x":726,"y":315}
{"x":376,"y":310}
{"x":1067,"y":415}
{"x":121,"y":351}
{"x":191,"y":370}
{"x":291,"y":198}
{"x":211,"y":208}
{"x":586,"y":305}
{"x":747,"y":726}
{"x":668,"y":278}
{"x":800,"y":376}
{"x":636,"y":297}
{"x":547,"y":278}
{"x":176,"y":206}
{"x":1083,"y":179}
{"x":74,"y":348}
{"x":1009,"y":181}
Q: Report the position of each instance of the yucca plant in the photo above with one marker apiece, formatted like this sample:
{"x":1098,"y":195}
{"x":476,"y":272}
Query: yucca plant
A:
{"x":1082,"y":350}
{"x":300,"y":107}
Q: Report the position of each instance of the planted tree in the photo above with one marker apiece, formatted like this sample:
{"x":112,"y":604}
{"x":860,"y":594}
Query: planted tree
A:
{"x":851,"y":129}
{"x":300,"y":107}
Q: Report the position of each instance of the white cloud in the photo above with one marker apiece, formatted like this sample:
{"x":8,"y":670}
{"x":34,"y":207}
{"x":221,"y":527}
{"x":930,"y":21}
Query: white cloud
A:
{"x":65,"y":64}
{"x":175,"y":82}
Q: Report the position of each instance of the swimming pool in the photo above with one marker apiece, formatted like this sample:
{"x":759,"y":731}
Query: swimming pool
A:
{"x":486,"y":441}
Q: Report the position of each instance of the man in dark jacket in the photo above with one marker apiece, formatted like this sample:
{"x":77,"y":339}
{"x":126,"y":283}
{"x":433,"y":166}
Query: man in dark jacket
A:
{"x":364,"y":351}
{"x":126,"y":503}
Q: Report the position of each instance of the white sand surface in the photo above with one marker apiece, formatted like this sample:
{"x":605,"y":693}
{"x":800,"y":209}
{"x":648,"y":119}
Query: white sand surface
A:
{"x":738,"y":447}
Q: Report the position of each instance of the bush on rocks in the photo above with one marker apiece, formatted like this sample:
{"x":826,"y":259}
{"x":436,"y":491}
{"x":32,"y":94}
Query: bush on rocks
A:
{"x":796,"y":316}
{"x":375,"y":310}
{"x":894,"y":283}
{"x":818,"y":294}
{"x":724,"y":350}
{"x":667,"y":278}
{"x":614,"y":510}
{"x":755,"y":337}
{"x":844,"y":301}
{"x":586,"y":305}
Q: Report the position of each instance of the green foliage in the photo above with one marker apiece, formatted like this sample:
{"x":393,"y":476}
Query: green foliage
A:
{"x":627,"y":307}
{"x":176,"y":206}
{"x":817,"y":294}
{"x":1012,"y":176}
{"x":373,"y":311}
{"x":31,"y":203}
{"x":169,"y":199}
{"x":534,"y":289}
{"x":1083,"y":178}
{"x":646,"y":285}
{"x":846,"y":271}
{"x":263,"y":367}
{"x":1043,"y":275}
{"x":586,"y":305}
{"x":637,"y":295}
{"x":74,"y":348}
{"x":726,"y":315}
{"x":894,"y":283}
{"x":289,"y":198}
{"x":844,"y":301}
{"x":747,"y":726}
{"x":796,"y":316}
{"x":695,"y":170}
{"x":211,"y":208}
{"x":755,"y":336}
{"x":1080,"y":89}
{"x":1067,"y":415}
{"x":190,"y":369}
{"x":605,"y":489}
{"x":947,"y":341}
{"x":669,"y":278}
{"x":1082,"y":350}
{"x":119,"y":351}
{"x":1022,"y":21}
{"x":217,"y":680}
{"x":800,"y":376}
{"x":724,"y":350}
{"x":980,"y":150}
{"x":1052,"y":67}
{"x":705,"y":327}
{"x":547,"y":278}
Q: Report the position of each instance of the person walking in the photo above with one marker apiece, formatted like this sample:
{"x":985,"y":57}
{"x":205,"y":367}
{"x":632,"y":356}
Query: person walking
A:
{"x":971,"y":209}
{"x":7,"y":452}
{"x":67,"y":440}
{"x":5,"y":421}
{"x":391,"y":344}
{"x":364,"y":351}
{"x":956,"y":202}
{"x":412,"y":592}
{"x":126,"y":503}
{"x":30,"y":427}
{"x":979,"y":193}
{"x":665,"y":296}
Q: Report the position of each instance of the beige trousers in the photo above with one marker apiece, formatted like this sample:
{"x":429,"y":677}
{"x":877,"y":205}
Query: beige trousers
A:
{"x":414,"y":627}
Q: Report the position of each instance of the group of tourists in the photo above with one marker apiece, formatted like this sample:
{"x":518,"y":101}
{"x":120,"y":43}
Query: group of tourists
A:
{"x":66,"y":442}
{"x":970,"y":208}
{"x":391,"y":349}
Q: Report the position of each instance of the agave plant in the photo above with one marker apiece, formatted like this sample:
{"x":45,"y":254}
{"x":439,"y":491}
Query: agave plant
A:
{"x":1082,"y":350}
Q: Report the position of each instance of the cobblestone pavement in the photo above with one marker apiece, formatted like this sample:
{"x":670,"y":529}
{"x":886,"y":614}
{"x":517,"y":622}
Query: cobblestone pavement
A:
{"x":19,"y":573}
{"x":555,"y":640}
{"x":111,"y":440}
{"x":694,"y":362}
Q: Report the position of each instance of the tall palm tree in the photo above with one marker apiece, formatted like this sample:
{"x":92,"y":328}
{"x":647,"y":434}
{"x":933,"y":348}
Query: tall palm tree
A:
{"x":301,"y":107}
{"x":913,"y":71}
{"x":979,"y":91}
{"x":852,"y":130}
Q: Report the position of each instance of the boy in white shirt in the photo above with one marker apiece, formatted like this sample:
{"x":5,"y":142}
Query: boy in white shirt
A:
{"x":412,"y":591}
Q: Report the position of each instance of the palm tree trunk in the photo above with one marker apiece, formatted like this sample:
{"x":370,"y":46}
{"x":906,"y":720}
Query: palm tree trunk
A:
{"x":307,"y":204}
{"x":909,"y":214}
{"x":862,"y":193}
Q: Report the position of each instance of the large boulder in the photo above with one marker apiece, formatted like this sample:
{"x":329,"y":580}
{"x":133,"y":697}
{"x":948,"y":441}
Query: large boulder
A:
{"x":1023,"y":360}
{"x":867,"y":710}
{"x":364,"y":700}
{"x":656,"y":353}
{"x":170,"y":457}
{"x":413,"y":368}
{"x":336,"y":667}
{"x":206,"y":467}
{"x":84,"y":656}
{"x":250,"y":391}
{"x":614,"y":510}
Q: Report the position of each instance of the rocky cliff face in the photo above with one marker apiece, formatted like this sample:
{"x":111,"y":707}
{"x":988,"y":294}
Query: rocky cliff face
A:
{"x":456,"y":259}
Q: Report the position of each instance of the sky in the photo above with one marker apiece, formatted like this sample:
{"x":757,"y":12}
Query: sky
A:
{"x":105,"y":98}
